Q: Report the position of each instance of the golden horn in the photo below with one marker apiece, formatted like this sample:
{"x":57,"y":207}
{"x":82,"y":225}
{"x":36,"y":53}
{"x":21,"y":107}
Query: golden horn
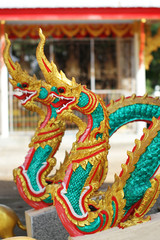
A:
{"x":12,"y":67}
{"x":49,"y":70}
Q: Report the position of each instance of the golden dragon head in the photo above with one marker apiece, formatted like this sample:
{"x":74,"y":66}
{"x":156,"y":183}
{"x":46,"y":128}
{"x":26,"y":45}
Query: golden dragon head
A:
{"x":26,"y":87}
{"x":57,"y":91}
{"x":65,"y":91}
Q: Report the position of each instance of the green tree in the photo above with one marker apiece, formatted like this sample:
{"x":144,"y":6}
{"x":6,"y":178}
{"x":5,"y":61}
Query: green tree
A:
{"x":153,"y":74}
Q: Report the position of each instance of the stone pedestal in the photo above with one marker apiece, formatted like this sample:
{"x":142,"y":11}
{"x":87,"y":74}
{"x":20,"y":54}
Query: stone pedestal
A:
{"x":44,"y":224}
{"x":146,"y":231}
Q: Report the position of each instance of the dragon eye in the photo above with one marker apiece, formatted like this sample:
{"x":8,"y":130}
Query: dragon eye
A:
{"x":61,"y":90}
{"x":24,"y":85}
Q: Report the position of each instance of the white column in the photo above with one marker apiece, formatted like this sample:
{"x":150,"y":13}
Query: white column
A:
{"x":140,"y":70}
{"x":92,"y":61}
{"x":4,"y":122}
{"x":118,"y":60}
{"x":140,"y":79}
{"x":4,"y":102}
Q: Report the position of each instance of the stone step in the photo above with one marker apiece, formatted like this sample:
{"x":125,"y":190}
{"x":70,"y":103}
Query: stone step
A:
{"x":44,"y":224}
{"x":145,"y":231}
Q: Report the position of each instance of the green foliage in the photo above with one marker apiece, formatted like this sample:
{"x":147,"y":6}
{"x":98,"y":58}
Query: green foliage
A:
{"x":153,"y":74}
{"x":149,"y":87}
{"x":154,"y":28}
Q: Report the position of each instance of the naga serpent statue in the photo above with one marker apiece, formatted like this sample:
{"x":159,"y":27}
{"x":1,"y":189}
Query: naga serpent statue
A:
{"x":74,"y":188}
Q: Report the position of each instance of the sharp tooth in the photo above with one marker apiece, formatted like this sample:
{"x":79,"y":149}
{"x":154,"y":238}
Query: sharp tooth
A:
{"x":18,"y":93}
{"x":17,"y":90}
{"x":62,"y":98}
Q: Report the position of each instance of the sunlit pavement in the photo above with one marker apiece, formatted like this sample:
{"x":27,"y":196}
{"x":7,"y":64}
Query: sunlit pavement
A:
{"x":14,"y":149}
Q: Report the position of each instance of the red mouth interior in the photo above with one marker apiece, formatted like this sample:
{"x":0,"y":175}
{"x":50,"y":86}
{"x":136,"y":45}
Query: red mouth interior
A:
{"x":22,"y":97}
{"x":60,"y":103}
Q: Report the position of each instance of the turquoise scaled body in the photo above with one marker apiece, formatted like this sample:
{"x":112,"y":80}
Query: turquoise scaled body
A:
{"x":144,"y":170}
{"x":132,"y":113}
{"x":39,"y":159}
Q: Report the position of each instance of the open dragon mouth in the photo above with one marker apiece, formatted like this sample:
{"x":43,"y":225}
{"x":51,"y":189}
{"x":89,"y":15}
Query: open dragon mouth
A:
{"x":24,"y":95}
{"x":63,"y":103}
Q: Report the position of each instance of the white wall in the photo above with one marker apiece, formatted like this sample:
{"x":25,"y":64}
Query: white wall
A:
{"x":140,"y":80}
{"x":4,"y":124}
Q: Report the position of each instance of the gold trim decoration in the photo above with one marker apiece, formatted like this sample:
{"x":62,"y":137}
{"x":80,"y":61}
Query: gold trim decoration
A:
{"x":145,"y":99}
{"x":152,"y":44}
{"x":74,"y":187}
{"x":71,"y":30}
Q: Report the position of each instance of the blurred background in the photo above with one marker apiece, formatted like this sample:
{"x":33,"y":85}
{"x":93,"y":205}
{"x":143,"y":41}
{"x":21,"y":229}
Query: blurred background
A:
{"x":112,"y":47}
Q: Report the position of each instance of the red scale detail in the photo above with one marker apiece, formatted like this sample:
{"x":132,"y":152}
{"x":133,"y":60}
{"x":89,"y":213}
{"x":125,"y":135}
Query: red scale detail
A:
{"x":94,"y":172}
{"x":69,"y":226}
{"x":36,"y":205}
{"x":87,"y":131}
{"x":11,"y":64}
{"x":107,"y":218}
{"x":41,"y":133}
{"x":47,"y":68}
{"x":79,"y":160}
{"x":98,"y":144}
{"x":116,"y":215}
{"x":131,"y":210}
{"x":49,"y":138}
{"x":68,"y":208}
{"x":29,"y":158}
{"x":28,"y":187}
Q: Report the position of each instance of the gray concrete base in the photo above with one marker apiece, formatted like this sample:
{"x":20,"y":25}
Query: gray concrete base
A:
{"x":44,"y":224}
{"x":144,"y":231}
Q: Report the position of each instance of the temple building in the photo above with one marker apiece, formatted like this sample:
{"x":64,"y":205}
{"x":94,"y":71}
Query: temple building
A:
{"x":105,"y":45}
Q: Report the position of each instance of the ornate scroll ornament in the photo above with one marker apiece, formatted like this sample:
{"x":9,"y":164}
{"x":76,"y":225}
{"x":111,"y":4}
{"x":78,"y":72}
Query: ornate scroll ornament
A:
{"x":71,"y":30}
{"x":74,"y":188}
{"x":152,"y":44}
